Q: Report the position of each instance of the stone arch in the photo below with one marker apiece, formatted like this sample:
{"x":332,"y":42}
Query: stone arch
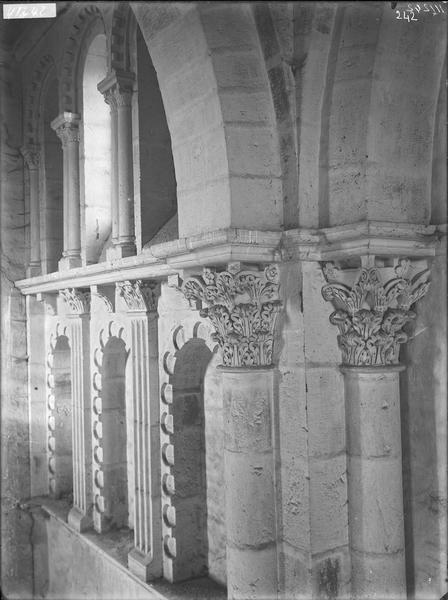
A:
{"x":68,"y":89}
{"x":33,"y":100}
{"x":109,"y":426}
{"x":210,"y":70}
{"x":405,"y":85}
{"x":184,"y":526}
{"x":280,"y":70}
{"x":95,"y":151}
{"x":59,"y":414}
{"x":382,"y":85}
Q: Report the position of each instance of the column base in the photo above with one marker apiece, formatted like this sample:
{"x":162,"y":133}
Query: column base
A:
{"x":69,"y":262}
{"x":34,"y":270}
{"x":79,"y":520}
{"x":143,"y":566}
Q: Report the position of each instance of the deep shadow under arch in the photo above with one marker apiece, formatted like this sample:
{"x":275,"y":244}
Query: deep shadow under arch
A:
{"x":189,"y":469}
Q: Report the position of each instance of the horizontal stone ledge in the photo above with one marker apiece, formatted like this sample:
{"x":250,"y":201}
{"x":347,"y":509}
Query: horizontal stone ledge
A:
{"x":381,"y":238}
{"x":222,"y":246}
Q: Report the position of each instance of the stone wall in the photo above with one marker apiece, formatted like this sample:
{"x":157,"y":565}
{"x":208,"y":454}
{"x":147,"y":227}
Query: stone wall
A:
{"x":15,"y":484}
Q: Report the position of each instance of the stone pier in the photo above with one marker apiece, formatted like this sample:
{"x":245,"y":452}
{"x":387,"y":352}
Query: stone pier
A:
{"x":242,"y":305}
{"x":373,"y":305}
{"x":250,"y":480}
{"x":375,"y":492}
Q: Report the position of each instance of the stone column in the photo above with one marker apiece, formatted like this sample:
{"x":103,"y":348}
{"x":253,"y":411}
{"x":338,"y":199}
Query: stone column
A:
{"x":370,"y":316}
{"x":243,"y":307}
{"x":66,"y":126}
{"x":31,"y":154}
{"x":117,"y":90}
{"x":78,"y":307}
{"x":145,"y":559}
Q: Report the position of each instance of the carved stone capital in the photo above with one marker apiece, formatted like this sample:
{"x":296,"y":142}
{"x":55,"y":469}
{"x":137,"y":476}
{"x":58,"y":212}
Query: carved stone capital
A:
{"x":139,"y":296}
{"x":117,"y":89}
{"x":77,"y":301}
{"x":372,"y":311}
{"x":31,"y":155}
{"x":66,"y":127}
{"x":242,"y":306}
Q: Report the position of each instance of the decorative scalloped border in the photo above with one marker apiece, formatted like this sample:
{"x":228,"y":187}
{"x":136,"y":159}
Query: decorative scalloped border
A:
{"x":114,"y":329}
{"x":180,"y":336}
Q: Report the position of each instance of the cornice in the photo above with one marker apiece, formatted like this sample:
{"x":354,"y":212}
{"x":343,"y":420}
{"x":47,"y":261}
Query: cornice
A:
{"x":220,"y":247}
{"x":365,"y":238}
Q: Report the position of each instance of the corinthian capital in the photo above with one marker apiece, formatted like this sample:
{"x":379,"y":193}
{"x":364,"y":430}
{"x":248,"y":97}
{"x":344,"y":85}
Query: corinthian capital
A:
{"x":243,"y":307}
{"x":66,"y":127}
{"x":139,"y":296}
{"x":77,"y":301}
{"x":117,"y":88}
{"x":372,"y":312}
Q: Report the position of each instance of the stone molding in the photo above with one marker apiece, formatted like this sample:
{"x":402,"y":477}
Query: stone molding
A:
{"x":255,"y":247}
{"x":78,"y":302}
{"x":100,"y":496}
{"x":370,"y":314}
{"x":139,"y":296}
{"x":242,"y":306}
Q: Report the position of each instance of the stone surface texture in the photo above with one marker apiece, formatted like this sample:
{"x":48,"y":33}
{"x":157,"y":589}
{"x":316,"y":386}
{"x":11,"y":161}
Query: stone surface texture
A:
{"x":223,"y":301}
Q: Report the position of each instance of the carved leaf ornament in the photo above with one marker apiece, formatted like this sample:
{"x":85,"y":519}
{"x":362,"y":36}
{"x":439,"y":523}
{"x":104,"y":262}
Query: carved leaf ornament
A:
{"x":139,"y":296}
{"x":371,"y":315}
{"x":243,"y":308}
{"x":77,"y":301}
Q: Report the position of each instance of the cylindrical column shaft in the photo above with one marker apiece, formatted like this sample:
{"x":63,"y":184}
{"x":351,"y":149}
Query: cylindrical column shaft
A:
{"x":72,"y":247}
{"x":31,"y":156}
{"x":34,"y":220}
{"x":125,"y":170}
{"x":114,"y":171}
{"x":250,"y":476}
{"x":65,"y":176}
{"x":117,"y":90}
{"x":375,"y":495}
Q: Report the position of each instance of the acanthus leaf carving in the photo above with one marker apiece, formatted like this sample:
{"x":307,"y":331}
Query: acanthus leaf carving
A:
{"x":140,"y":296}
{"x":243,"y":307}
{"x":117,"y":89}
{"x":77,"y":301}
{"x":370,"y":314}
